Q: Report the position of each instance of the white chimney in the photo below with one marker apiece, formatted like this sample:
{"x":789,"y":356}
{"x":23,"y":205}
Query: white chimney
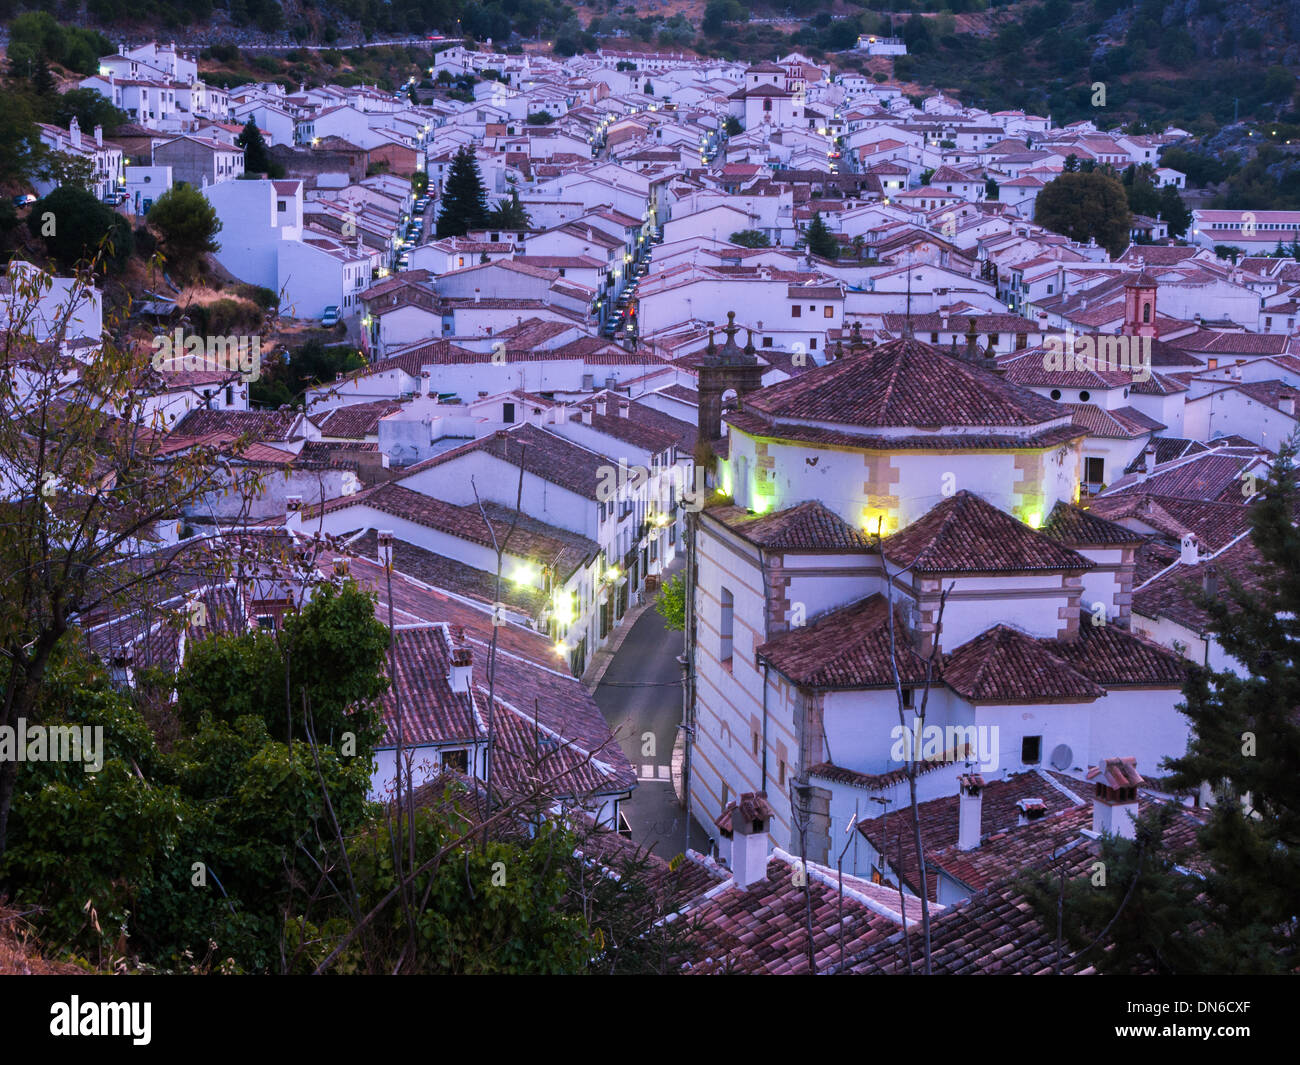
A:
{"x":1149,"y":460}
{"x":1115,"y":807}
{"x":1190,"y":553}
{"x":600,"y":404}
{"x":1028,"y":810}
{"x":425,"y":380}
{"x":385,"y":547}
{"x":99,"y":136}
{"x":476,"y":295}
{"x":969,"y":800}
{"x":292,"y":504}
{"x":74,"y":132}
{"x":624,"y":408}
{"x":586,"y":413}
{"x":1286,"y":403}
{"x":461,"y":670}
{"x":746,"y":822}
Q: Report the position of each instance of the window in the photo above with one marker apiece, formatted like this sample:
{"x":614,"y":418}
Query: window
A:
{"x":909,"y":698}
{"x":934,"y":338}
{"x":756,"y":742}
{"x":1056,"y":393}
{"x":281,"y":206}
{"x":726,"y":627}
{"x":230,"y":395}
{"x":1094,"y":470}
{"x":1084,"y":396}
{"x":780,"y":772}
{"x":828,"y":311}
{"x":1031,"y":749}
{"x":767,"y":342}
{"x":508,"y":413}
{"x":796,"y":311}
{"x":812,"y":343}
{"x":1146,"y":312}
{"x":265,"y":621}
{"x":767,"y":105}
{"x":457,"y":760}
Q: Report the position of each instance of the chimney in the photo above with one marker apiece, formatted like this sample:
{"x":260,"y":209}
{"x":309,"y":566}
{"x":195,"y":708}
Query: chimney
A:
{"x":586,"y":413}
{"x":476,"y":295}
{"x":600,"y":404}
{"x":1149,"y":460}
{"x":99,"y":136}
{"x":745,"y":823}
{"x":385,"y":537}
{"x":462,"y":669}
{"x":969,"y":801}
{"x":292,"y":504}
{"x":1210,"y":582}
{"x":1115,"y":807}
{"x":74,"y":132}
{"x":425,"y":380}
{"x":1286,"y":403}
{"x":624,"y":408}
{"x":1190,"y":553}
{"x":1028,"y":810}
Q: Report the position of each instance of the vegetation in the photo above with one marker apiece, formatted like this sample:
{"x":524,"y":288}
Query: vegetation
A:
{"x":464,"y":199}
{"x":821,"y":241}
{"x":257,"y":156}
{"x":750,"y":238}
{"x":75,"y":226}
{"x":1086,"y":205}
{"x":187,"y":225}
{"x":671,"y":604}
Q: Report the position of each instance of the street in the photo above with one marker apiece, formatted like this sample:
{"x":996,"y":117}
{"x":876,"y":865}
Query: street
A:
{"x":641,"y":698}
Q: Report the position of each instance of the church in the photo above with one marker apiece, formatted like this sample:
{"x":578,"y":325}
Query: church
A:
{"x":896,"y":535}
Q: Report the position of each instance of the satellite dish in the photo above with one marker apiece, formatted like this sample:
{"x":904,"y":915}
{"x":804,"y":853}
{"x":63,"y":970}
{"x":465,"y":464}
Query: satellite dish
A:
{"x":1062,"y":757}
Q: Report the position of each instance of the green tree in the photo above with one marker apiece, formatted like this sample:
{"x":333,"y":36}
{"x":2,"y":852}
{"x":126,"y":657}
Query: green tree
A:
{"x":671,"y":604}
{"x":733,"y":126}
{"x":821,"y":241}
{"x":464,"y":200}
{"x":74,"y":171}
{"x":74,"y":226}
{"x":257,"y":157}
{"x":187,"y":225}
{"x":509,"y":214}
{"x":1174,"y":211}
{"x":1246,"y":744}
{"x":21,"y":149}
{"x":750,"y":238}
{"x":540,"y":118}
{"x":90,"y":109}
{"x":1086,"y":206}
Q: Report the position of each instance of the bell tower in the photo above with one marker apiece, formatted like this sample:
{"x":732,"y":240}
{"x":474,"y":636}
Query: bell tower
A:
{"x":1140,"y":306}
{"x":724,"y":369}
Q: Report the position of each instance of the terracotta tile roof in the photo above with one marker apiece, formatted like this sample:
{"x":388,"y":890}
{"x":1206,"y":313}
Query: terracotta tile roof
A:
{"x":891,"y":833}
{"x":846,"y":648}
{"x":1113,"y":657}
{"x":1214,"y":524}
{"x":1167,"y":448}
{"x":808,"y":526}
{"x":431,"y":711}
{"x":904,"y":383}
{"x":1151,"y":558}
{"x":1120,"y":423}
{"x":965,"y":534}
{"x":257,"y":424}
{"x":543,"y":454}
{"x":1077,"y":527}
{"x":1004,"y":664}
{"x":355,"y":421}
{"x":1171,"y":594}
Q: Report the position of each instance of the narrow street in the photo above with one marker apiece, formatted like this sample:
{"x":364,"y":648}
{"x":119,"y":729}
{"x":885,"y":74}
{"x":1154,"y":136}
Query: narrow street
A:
{"x":641,"y":698}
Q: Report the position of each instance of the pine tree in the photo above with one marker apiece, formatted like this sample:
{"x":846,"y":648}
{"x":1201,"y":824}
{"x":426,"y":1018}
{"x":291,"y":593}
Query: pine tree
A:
{"x":1246,"y":744}
{"x":821,"y":241}
{"x":43,"y":83}
{"x":464,"y":200}
{"x":257,"y":158}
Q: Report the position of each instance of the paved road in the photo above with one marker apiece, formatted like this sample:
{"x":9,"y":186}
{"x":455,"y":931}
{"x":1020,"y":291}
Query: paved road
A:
{"x":641,"y":693}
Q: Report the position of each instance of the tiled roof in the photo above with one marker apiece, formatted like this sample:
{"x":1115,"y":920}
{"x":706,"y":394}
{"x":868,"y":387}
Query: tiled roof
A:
{"x":1215,"y":475}
{"x":808,"y":526}
{"x":355,"y":421}
{"x":847,"y":648}
{"x":1006,"y":665}
{"x":1114,"y":657}
{"x":1120,"y":423}
{"x":258,"y":424}
{"x":1214,"y":524}
{"x":431,"y":711}
{"x":1076,"y":527}
{"x":965,"y":534}
{"x":1170,"y":594}
{"x":904,"y":384}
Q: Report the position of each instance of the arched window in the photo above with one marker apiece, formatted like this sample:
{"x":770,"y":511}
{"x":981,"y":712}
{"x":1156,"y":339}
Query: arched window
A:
{"x":1146,"y":312}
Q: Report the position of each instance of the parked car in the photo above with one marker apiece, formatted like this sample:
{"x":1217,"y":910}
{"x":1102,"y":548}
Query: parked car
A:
{"x":23,"y":199}
{"x":331,"y":317}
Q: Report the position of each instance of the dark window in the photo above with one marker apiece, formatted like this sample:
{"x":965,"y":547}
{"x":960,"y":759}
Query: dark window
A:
{"x":1084,"y":396}
{"x":1094,"y":470}
{"x":1146,"y":312}
{"x":796,"y":311}
{"x":726,"y":626}
{"x":457,"y":760}
{"x":767,"y":342}
{"x":508,"y":413}
{"x":934,"y":338}
{"x":1031,"y":749}
{"x":828,"y":311}
{"x":1056,"y":393}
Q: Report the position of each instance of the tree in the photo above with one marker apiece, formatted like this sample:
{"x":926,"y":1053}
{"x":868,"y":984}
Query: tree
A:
{"x":671,"y":604}
{"x":21,"y":149}
{"x":43,"y":83}
{"x":750,"y":238}
{"x":1086,"y":206}
{"x":74,"y":226}
{"x":1071,"y":165}
{"x":74,"y":171}
{"x":464,"y":200}
{"x":1246,"y":744}
{"x":733,"y":126}
{"x":1174,"y":211}
{"x":509,"y":214}
{"x":257,"y":157}
{"x":90,"y":109}
{"x":187,"y":225}
{"x":821,"y":241}
{"x":990,"y":189}
{"x":540,"y":118}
